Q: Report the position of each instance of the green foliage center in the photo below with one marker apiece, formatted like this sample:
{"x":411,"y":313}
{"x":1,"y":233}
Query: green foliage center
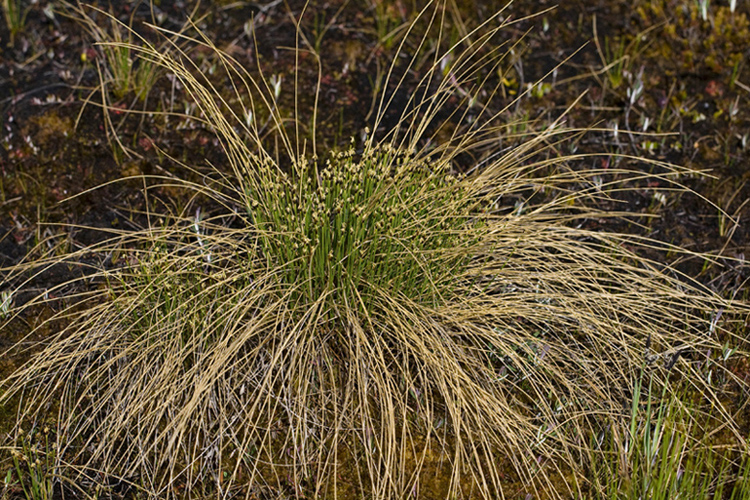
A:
{"x":382,"y":220}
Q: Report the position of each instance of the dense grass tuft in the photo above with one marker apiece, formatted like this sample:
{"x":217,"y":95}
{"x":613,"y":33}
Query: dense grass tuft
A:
{"x":363,"y":223}
{"x":369,"y":321}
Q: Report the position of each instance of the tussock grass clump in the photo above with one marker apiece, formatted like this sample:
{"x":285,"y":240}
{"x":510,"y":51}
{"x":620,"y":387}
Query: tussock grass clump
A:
{"x":370,"y":321}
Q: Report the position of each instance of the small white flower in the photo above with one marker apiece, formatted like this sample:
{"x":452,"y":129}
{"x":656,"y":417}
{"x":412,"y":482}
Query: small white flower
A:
{"x":276,"y":84}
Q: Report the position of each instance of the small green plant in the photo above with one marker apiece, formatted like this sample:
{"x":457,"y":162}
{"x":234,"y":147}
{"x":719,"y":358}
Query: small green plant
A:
{"x":618,"y":56}
{"x":122,"y":72}
{"x":664,"y":451}
{"x":615,"y":57}
{"x":321,"y":25}
{"x":391,"y":19}
{"x":126,"y":73}
{"x":741,"y":487}
{"x":15,"y":17}
{"x":33,"y":464}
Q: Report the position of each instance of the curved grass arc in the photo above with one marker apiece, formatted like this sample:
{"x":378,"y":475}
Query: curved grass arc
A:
{"x":374,"y":316}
